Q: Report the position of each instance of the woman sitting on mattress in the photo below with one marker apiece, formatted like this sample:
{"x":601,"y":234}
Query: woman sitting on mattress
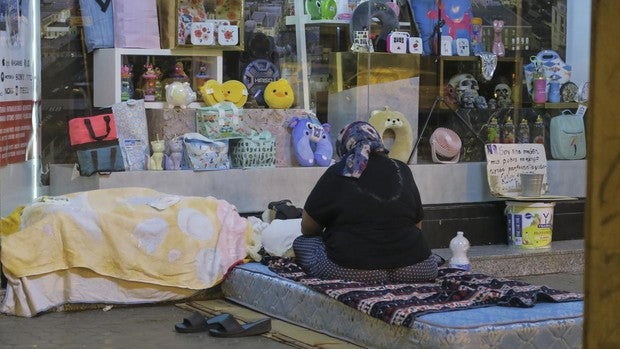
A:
{"x":362,"y":220}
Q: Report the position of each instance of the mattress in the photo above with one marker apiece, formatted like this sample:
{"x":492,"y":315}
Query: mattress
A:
{"x":546,"y":325}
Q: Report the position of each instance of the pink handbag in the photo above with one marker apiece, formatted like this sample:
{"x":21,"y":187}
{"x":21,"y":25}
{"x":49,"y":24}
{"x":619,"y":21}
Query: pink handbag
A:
{"x":91,"y":129}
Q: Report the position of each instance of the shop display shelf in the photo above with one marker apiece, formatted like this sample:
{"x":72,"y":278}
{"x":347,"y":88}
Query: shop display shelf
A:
{"x":107,"y":65}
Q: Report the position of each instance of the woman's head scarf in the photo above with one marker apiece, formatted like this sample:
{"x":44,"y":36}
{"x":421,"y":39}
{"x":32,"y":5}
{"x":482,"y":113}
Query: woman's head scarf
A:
{"x":354,"y":145}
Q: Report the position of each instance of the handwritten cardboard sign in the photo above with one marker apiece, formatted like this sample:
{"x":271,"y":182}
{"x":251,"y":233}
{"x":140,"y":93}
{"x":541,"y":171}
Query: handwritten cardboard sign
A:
{"x":506,"y":163}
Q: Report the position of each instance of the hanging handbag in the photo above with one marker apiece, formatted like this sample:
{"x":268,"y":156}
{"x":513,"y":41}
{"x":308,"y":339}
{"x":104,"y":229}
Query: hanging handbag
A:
{"x":567,"y":136}
{"x":202,"y":153}
{"x":97,"y":17}
{"x":102,"y":159}
{"x":90,"y":129}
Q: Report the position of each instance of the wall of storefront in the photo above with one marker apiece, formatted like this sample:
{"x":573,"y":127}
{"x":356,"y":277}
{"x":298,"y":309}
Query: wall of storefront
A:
{"x":460,"y":183}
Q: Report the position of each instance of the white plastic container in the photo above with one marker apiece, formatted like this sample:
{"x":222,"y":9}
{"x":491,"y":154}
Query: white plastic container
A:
{"x":459,"y":246}
{"x":530,"y":224}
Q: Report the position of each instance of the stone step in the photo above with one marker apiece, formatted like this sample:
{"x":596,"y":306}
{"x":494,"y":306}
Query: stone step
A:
{"x":565,"y":256}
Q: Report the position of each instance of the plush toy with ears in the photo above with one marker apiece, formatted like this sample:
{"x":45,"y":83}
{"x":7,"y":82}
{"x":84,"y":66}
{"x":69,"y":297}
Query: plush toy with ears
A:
{"x":311,"y":141}
{"x":388,"y":120}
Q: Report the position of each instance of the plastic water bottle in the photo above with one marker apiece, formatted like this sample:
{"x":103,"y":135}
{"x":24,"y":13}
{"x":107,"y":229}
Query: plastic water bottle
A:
{"x":459,"y":246}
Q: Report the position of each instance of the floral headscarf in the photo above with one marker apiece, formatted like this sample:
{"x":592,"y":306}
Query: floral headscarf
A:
{"x":354,"y":145}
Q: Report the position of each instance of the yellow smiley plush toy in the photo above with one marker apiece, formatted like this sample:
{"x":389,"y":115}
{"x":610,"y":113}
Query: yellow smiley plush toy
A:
{"x":211,"y":92}
{"x":235,"y":91}
{"x":279,"y":94}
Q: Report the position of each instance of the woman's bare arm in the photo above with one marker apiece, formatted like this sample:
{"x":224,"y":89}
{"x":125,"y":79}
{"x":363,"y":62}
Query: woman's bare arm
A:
{"x":309,"y":226}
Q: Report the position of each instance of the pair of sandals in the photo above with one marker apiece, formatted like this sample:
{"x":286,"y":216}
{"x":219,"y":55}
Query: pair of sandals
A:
{"x":223,"y":325}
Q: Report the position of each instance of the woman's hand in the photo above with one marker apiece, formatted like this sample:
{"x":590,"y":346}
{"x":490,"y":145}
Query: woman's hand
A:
{"x":309,"y":226}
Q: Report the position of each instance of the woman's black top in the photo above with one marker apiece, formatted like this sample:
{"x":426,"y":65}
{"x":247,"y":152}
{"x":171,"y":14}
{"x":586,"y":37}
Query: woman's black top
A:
{"x":370,"y":222}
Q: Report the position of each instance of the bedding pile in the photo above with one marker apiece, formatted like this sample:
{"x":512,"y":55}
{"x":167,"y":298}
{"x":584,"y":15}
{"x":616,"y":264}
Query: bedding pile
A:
{"x":400,"y":304}
{"x":123,"y":246}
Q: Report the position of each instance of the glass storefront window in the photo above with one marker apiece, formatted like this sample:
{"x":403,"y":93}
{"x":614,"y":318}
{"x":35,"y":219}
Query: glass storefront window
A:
{"x":324,"y":54}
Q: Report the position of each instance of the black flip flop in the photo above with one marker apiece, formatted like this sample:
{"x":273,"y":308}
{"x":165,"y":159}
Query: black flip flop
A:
{"x":198,"y":323}
{"x":231,"y":328}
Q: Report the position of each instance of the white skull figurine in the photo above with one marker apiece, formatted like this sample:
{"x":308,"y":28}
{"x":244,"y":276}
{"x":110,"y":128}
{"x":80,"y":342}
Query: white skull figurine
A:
{"x":503,"y":95}
{"x":462,"y":83}
{"x":502,"y":91}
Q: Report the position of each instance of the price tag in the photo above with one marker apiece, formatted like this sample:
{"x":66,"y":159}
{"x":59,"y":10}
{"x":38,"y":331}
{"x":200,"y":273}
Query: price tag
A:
{"x":581,"y":111}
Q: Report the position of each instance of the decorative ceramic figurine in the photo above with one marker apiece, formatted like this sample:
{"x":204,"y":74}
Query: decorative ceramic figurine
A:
{"x":498,"y":44}
{"x":503,"y":95}
{"x":179,"y":94}
{"x":150,"y":83}
{"x":156,"y":160}
{"x":200,"y":78}
{"x":179,"y":73}
{"x":126,"y":83}
{"x":159,"y":91}
{"x":175,"y":153}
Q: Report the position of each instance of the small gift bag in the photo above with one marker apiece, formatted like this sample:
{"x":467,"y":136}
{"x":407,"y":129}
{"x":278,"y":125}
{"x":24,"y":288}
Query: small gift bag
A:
{"x":202,"y":153}
{"x":222,"y":120}
{"x":258,"y":150}
{"x":136,"y":24}
{"x":133,"y":137}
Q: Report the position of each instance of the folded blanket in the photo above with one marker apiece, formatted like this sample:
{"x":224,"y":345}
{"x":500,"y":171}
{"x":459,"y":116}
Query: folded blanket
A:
{"x":133,"y":234}
{"x":400,"y":304}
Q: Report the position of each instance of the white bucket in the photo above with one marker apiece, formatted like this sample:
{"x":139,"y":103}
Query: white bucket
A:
{"x":530,"y":224}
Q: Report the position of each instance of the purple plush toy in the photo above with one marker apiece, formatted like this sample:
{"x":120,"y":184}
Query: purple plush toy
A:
{"x":311,"y":142}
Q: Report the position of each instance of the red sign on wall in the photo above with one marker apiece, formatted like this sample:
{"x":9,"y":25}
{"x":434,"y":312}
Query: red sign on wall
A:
{"x":15,"y":131}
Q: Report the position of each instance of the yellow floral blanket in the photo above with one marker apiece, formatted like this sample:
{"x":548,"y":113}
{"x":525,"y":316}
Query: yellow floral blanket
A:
{"x":133,"y":234}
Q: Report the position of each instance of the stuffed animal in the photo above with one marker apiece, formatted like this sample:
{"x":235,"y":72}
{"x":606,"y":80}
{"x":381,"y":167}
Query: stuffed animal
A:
{"x":313,"y":8}
{"x":456,"y":14}
{"x":387,"y":119}
{"x":279,"y":94}
{"x":236,"y":92}
{"x":211,"y":92}
{"x":311,"y":142}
